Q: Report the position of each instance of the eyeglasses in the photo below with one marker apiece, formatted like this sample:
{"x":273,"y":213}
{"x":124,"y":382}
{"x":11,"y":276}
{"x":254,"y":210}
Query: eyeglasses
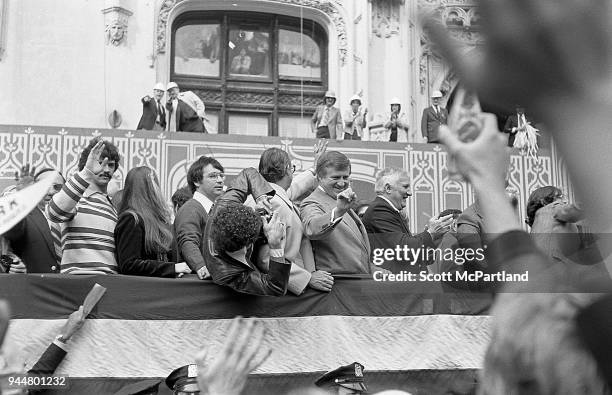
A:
{"x":214,"y":176}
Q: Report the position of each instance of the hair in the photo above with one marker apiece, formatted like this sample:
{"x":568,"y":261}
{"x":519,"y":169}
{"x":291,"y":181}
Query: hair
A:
{"x":235,"y":226}
{"x":454,"y":211}
{"x":273,"y":164}
{"x":535,"y":348}
{"x":388,"y":175}
{"x":110,"y":151}
{"x":195,"y":172}
{"x":332,"y":159}
{"x":180,"y":196}
{"x":46,"y":170}
{"x":539,"y":198}
{"x":142,"y":198}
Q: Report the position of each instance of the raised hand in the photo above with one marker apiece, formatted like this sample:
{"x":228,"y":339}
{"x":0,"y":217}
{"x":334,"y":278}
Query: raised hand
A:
{"x":94,"y":164}
{"x":275,"y":232}
{"x":25,"y":176}
{"x":228,"y":372}
{"x":344,"y":200}
{"x":319,"y":149}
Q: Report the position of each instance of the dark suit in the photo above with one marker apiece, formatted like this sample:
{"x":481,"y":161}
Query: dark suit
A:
{"x":49,"y":361}
{"x":149,"y":115}
{"x":32,"y":241}
{"x":387,"y":229}
{"x":132,"y":257}
{"x":512,"y":122}
{"x":431,"y":121}
{"x":228,"y":271}
{"x":187,"y":120}
{"x":189,"y":226}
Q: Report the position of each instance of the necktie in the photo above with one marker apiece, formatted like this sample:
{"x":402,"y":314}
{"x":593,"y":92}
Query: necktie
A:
{"x":325,"y":117}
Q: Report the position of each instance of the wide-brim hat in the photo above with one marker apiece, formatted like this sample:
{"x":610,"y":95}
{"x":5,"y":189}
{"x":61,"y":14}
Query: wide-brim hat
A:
{"x":159,"y":87}
{"x":436,"y":95}
{"x":171,"y":85}
{"x":330,"y":94}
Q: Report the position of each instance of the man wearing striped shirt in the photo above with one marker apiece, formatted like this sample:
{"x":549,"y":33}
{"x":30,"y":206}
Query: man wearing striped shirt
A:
{"x":87,"y":216}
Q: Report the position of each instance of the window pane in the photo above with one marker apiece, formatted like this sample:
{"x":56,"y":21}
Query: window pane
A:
{"x":197,"y":50}
{"x":249,"y":52}
{"x":294,"y":126}
{"x":212,"y":122}
{"x":298,"y":56}
{"x":251,"y":125}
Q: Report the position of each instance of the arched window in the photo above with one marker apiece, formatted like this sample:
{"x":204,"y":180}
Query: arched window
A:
{"x":258,"y":74}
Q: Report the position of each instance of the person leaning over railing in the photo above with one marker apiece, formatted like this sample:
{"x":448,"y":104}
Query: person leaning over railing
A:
{"x":143,"y":235}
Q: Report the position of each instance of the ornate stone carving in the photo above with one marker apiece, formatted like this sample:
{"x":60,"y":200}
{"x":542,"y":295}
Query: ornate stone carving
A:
{"x":331,"y":9}
{"x":386,"y":17}
{"x":297,"y":100}
{"x":116,"y":25}
{"x":208,"y":95}
{"x":249,"y":97}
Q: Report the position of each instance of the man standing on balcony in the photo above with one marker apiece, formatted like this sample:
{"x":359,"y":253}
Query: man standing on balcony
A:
{"x":185,"y":111}
{"x":433,"y":117}
{"x":327,"y":121}
{"x":153,"y":112}
{"x":355,"y":120}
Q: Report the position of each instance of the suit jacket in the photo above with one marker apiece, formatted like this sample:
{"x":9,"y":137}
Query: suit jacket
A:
{"x":340,"y":247}
{"x":355,"y":123}
{"x":49,"y":361}
{"x":387,"y":229}
{"x":244,"y":276}
{"x":130,"y":249}
{"x":31,"y":240}
{"x":149,"y":115}
{"x":401,"y":123}
{"x":334,"y":121}
{"x":431,"y":121}
{"x":512,"y":122}
{"x":189,"y":226}
{"x":186,"y":118}
{"x":298,"y":249}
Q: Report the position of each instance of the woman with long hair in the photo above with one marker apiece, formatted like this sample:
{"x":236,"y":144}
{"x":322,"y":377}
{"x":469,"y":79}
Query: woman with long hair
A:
{"x":143,"y":235}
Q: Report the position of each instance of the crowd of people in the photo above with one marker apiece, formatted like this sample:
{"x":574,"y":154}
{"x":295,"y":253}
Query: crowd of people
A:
{"x":549,"y":336}
{"x":185,"y":111}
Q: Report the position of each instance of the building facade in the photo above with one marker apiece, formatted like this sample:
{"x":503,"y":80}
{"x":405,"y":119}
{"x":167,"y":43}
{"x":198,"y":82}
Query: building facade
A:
{"x":260,"y":66}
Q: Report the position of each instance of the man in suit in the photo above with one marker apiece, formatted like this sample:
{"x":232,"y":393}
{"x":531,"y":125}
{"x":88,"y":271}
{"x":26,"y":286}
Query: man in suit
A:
{"x":35,"y":239}
{"x":153,"y":112}
{"x":185,"y":111}
{"x":206,"y":179}
{"x":337,"y":235}
{"x":231,"y":231}
{"x":433,"y":117}
{"x":512,"y":124}
{"x":275,"y":166}
{"x":387,"y":229}
{"x":326,"y":120}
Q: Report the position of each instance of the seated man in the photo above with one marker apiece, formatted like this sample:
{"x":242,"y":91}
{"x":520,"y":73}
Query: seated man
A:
{"x":338,"y":237}
{"x":387,"y":229}
{"x":230,"y":232}
{"x":275,"y":166}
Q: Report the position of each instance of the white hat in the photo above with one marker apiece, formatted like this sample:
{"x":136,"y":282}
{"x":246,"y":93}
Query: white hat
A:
{"x":436,"y":94}
{"x":331,"y":94}
{"x":355,"y":97}
{"x":159,"y":87}
{"x":395,"y":100}
{"x":171,"y":85}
